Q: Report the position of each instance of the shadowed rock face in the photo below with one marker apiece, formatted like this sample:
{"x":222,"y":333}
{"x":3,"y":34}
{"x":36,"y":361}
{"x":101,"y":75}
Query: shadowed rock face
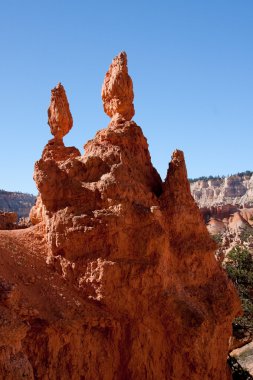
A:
{"x":135,"y":291}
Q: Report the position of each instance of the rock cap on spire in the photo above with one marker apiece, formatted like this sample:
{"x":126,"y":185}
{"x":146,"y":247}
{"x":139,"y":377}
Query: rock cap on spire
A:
{"x":117,"y":90}
{"x":59,"y":115}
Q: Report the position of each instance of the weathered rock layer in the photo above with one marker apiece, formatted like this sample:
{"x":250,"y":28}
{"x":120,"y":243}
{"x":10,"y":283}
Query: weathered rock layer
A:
{"x":20,"y":203}
{"x":129,"y":258}
{"x":233,"y":190}
{"x":226,"y":205}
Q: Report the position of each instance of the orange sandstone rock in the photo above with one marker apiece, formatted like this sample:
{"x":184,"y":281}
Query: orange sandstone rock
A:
{"x":117,"y":90}
{"x":36,"y":213}
{"x":59,"y":116}
{"x":8,"y":220}
{"x":125,"y":284}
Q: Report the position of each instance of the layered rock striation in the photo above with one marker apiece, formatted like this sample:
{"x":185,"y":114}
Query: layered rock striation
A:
{"x":21,"y":203}
{"x":135,"y":291}
{"x":226,"y":205}
{"x":233,"y":190}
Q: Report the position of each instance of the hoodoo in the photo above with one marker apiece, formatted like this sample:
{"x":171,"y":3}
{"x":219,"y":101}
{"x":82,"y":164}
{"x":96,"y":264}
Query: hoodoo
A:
{"x":125,"y":284}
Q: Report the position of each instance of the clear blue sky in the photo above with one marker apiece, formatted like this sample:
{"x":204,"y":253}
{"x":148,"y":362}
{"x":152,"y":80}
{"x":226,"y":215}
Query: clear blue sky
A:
{"x":191,"y":62}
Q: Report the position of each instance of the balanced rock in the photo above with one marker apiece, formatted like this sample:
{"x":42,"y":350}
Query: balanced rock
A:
{"x":59,"y":116}
{"x":117,"y":90}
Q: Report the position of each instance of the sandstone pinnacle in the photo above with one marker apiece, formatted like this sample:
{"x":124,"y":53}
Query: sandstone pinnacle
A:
{"x":59,"y":115}
{"x":117,"y":90}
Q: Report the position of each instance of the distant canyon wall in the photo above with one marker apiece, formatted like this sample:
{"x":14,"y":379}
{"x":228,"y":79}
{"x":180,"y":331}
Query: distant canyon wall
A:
{"x":233,"y":190}
{"x":20,"y":203}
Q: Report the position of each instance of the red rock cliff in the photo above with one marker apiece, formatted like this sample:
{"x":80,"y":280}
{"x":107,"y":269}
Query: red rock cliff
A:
{"x":131,"y":286}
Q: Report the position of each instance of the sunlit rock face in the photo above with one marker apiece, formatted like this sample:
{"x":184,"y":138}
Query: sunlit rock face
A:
{"x":131,"y":286}
{"x":59,"y":116}
{"x":232,"y":190}
{"x":8,"y":220}
{"x":18,"y":202}
{"x":227,"y":207}
{"x":117,"y":90}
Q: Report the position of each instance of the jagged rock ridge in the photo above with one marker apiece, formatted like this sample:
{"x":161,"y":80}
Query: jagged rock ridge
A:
{"x":125,"y":283}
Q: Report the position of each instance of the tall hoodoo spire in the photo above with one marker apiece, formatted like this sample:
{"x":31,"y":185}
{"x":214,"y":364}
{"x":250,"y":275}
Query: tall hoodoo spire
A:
{"x":117,"y":90}
{"x":59,"y":115}
{"x":140,"y":277}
